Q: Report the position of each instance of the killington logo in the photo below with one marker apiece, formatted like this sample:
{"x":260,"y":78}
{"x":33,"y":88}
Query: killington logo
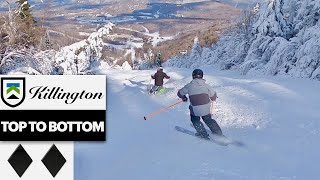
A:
{"x":13,"y":90}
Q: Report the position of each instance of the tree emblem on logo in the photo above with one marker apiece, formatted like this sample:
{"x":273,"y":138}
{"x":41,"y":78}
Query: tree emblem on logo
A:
{"x":13,"y":90}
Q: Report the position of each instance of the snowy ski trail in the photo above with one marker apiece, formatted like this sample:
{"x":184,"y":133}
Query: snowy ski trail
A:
{"x":277,"y":119}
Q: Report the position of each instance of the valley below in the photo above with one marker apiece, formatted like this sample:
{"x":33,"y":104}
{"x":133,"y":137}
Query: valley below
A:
{"x":141,"y":27}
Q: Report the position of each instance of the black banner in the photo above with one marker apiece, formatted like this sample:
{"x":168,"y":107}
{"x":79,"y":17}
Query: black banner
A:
{"x":52,"y":125}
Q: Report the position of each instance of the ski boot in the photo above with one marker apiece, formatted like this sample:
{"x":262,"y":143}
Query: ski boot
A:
{"x":202,"y":135}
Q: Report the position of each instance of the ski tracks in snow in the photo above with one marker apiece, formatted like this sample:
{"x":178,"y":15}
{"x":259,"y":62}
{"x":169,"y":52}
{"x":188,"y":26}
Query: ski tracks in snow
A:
{"x":277,"y":119}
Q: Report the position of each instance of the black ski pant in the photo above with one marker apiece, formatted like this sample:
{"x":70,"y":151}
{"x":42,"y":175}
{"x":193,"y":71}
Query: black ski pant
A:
{"x":211,"y":123}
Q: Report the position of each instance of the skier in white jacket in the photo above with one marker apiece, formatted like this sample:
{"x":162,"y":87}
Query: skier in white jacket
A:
{"x":200,"y":95}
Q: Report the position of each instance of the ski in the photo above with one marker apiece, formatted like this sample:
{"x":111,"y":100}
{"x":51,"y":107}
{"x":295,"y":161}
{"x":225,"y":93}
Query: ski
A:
{"x":161,"y":91}
{"x":158,"y":91}
{"x":212,"y":139}
{"x":224,"y":138}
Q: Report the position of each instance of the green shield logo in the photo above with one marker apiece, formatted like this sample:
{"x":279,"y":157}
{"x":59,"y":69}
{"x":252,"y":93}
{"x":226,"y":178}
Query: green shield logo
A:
{"x":13,"y":90}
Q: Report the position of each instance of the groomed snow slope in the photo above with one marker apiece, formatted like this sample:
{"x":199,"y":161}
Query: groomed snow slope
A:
{"x":278,"y":119}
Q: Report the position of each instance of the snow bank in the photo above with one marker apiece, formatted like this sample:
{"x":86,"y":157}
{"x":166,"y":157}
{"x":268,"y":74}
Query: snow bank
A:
{"x":26,"y":62}
{"x":79,"y":58}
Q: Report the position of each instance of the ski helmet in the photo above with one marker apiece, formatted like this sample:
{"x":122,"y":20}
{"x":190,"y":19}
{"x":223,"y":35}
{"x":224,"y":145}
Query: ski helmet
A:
{"x":197,"y":73}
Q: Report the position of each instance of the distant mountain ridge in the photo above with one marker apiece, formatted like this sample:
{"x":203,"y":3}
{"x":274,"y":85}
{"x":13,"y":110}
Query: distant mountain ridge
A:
{"x":56,"y":2}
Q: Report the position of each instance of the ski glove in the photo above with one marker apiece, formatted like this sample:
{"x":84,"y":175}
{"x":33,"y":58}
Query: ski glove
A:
{"x":184,"y":99}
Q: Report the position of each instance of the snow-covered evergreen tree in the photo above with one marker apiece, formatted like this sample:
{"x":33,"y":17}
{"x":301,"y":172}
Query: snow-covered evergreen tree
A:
{"x":24,"y":9}
{"x":83,"y":56}
{"x":195,"y":55}
{"x":273,"y":21}
{"x":283,"y":40}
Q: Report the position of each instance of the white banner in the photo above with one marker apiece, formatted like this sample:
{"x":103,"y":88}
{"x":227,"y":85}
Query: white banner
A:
{"x":35,"y":168}
{"x":53,"y":92}
{"x":45,"y":160}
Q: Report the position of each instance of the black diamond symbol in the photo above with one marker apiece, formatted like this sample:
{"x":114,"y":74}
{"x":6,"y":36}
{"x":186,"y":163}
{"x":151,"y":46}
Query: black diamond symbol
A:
{"x":20,"y":160}
{"x":53,"y":160}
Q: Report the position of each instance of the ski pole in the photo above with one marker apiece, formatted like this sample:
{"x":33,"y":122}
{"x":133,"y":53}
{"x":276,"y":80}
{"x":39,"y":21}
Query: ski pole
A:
{"x":149,"y":84}
{"x":211,"y":108}
{"x":160,"y":111}
{"x":174,"y":84}
{"x":172,"y":81}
